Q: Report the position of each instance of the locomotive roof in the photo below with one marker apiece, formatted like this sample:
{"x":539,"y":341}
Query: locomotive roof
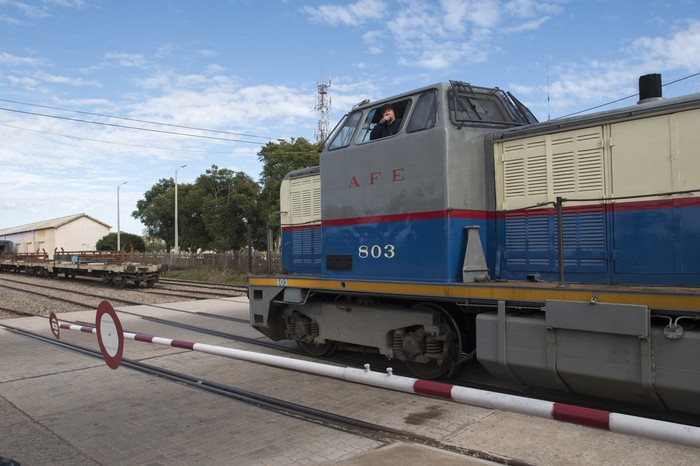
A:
{"x":302,"y":172}
{"x":439,"y":85}
{"x":631,"y":112}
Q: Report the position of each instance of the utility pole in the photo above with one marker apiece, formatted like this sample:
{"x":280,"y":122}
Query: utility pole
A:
{"x":177,"y":248}
{"x":119,"y":228}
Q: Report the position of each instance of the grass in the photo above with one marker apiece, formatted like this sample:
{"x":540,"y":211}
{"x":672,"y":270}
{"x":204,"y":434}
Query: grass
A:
{"x":208,"y":275}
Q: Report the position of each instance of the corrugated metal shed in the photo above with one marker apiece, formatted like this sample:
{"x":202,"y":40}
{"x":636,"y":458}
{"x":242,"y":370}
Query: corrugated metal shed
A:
{"x":78,"y":232}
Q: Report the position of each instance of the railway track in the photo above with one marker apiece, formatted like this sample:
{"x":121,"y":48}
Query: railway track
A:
{"x":193,"y":283}
{"x":24,"y":290}
{"x":470,"y":375}
{"x":307,"y":413}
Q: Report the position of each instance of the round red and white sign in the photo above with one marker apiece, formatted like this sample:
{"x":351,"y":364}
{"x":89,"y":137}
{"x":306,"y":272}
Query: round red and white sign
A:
{"x":110,"y":335}
{"x":55,"y":328}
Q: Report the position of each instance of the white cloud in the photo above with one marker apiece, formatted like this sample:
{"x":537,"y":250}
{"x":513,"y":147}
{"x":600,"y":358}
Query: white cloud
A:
{"x":459,"y":31}
{"x":14,"y":60}
{"x":9,"y":20}
{"x":355,"y":14}
{"x":23,"y":81}
{"x":128,"y":60}
{"x":528,"y":25}
{"x":76,"y":4}
{"x":206,"y":53}
{"x":681,"y":49}
{"x":32,"y":11}
{"x":436,"y":36}
{"x":590,"y":83}
{"x":65,"y":80}
{"x":524,"y":9}
{"x":484,"y":14}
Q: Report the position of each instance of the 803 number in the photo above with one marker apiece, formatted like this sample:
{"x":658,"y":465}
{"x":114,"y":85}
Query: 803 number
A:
{"x":376,"y":251}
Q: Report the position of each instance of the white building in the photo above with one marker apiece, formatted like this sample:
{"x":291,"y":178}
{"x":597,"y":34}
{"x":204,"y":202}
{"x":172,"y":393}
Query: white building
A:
{"x":78,"y":232}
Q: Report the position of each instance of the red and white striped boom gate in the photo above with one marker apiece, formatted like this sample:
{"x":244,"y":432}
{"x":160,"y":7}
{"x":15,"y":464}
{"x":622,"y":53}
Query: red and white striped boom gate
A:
{"x":111,"y":340}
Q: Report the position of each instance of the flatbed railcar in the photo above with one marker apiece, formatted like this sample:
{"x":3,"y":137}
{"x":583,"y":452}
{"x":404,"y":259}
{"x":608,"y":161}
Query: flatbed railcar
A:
{"x":114,"y":268}
{"x":562,"y":254}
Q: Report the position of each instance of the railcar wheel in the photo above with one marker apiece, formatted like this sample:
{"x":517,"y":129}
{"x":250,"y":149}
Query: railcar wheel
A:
{"x":437,"y":368}
{"x":313,"y":349}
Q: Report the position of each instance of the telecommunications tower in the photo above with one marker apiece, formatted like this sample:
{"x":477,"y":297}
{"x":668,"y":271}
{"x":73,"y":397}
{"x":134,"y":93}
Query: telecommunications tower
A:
{"x":323,"y":105}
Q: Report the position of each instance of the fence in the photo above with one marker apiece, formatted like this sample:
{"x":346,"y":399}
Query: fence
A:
{"x":236,"y":262}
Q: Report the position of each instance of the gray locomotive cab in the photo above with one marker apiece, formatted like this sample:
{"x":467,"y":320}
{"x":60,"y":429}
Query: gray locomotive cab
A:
{"x":395,"y":207}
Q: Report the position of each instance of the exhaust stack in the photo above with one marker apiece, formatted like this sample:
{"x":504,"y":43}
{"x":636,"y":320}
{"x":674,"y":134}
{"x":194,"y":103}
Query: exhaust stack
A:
{"x":649,"y":88}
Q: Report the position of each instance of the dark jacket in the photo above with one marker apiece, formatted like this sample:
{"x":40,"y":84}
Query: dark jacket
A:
{"x":380,"y":131}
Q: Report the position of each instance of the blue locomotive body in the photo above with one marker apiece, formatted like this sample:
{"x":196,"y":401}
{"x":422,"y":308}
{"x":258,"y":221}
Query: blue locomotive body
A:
{"x":643,"y":243}
{"x":409,"y":249}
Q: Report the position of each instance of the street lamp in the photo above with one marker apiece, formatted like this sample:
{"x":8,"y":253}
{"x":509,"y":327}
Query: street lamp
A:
{"x":177,"y":249}
{"x":119,"y":228}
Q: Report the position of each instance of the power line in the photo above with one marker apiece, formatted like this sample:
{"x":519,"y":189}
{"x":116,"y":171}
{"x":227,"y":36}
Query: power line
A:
{"x":128,"y":127}
{"x":135,"y":120}
{"x":624,"y":98}
{"x":118,"y":143}
{"x":172,"y":149}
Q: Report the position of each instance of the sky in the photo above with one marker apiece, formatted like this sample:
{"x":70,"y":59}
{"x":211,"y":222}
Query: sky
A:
{"x":97,"y":93}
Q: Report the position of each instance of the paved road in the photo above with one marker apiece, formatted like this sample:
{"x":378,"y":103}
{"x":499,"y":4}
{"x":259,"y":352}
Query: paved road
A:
{"x":63,"y":408}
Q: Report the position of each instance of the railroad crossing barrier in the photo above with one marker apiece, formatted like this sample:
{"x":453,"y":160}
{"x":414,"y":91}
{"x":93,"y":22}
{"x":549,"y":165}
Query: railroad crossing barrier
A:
{"x":111,"y":340}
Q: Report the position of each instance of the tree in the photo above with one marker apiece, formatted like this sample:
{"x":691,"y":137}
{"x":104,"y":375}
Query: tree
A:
{"x":216,"y":211}
{"x":109,"y":242}
{"x":280,"y":158}
{"x":192,"y":229}
{"x":230,"y":201}
{"x":156,"y":211}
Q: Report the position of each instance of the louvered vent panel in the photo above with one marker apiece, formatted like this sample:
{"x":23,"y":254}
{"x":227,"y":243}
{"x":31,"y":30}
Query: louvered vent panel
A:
{"x":590,"y":166}
{"x":563,"y":173}
{"x":514,"y":178}
{"x":537,"y":175}
{"x":577,"y":162}
{"x":296,"y":198}
{"x":305,"y":197}
{"x":528,"y":242}
{"x":524,"y":170}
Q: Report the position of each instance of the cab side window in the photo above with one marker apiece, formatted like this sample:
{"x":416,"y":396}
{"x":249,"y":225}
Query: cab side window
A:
{"x":344,"y":135}
{"x":425,"y":112}
{"x":366,"y":129}
{"x":400,"y":108}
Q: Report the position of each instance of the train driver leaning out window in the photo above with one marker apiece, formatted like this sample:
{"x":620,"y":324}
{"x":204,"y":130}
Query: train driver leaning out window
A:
{"x":388,"y":125}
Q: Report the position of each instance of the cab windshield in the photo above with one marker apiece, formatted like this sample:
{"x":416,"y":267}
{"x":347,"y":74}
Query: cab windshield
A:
{"x":474,"y":105}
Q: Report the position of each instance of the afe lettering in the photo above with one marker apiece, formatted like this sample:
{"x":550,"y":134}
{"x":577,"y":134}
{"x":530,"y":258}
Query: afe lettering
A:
{"x":397,"y":174}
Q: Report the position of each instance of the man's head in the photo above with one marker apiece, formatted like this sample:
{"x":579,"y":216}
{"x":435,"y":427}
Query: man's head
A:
{"x":387,"y":112}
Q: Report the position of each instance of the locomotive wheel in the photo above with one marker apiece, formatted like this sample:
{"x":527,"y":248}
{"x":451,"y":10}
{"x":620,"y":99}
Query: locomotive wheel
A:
{"x":435,"y":369}
{"x":313,"y":349}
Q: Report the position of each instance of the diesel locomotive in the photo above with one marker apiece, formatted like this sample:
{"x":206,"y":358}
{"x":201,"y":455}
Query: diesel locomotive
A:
{"x":563,"y":254}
